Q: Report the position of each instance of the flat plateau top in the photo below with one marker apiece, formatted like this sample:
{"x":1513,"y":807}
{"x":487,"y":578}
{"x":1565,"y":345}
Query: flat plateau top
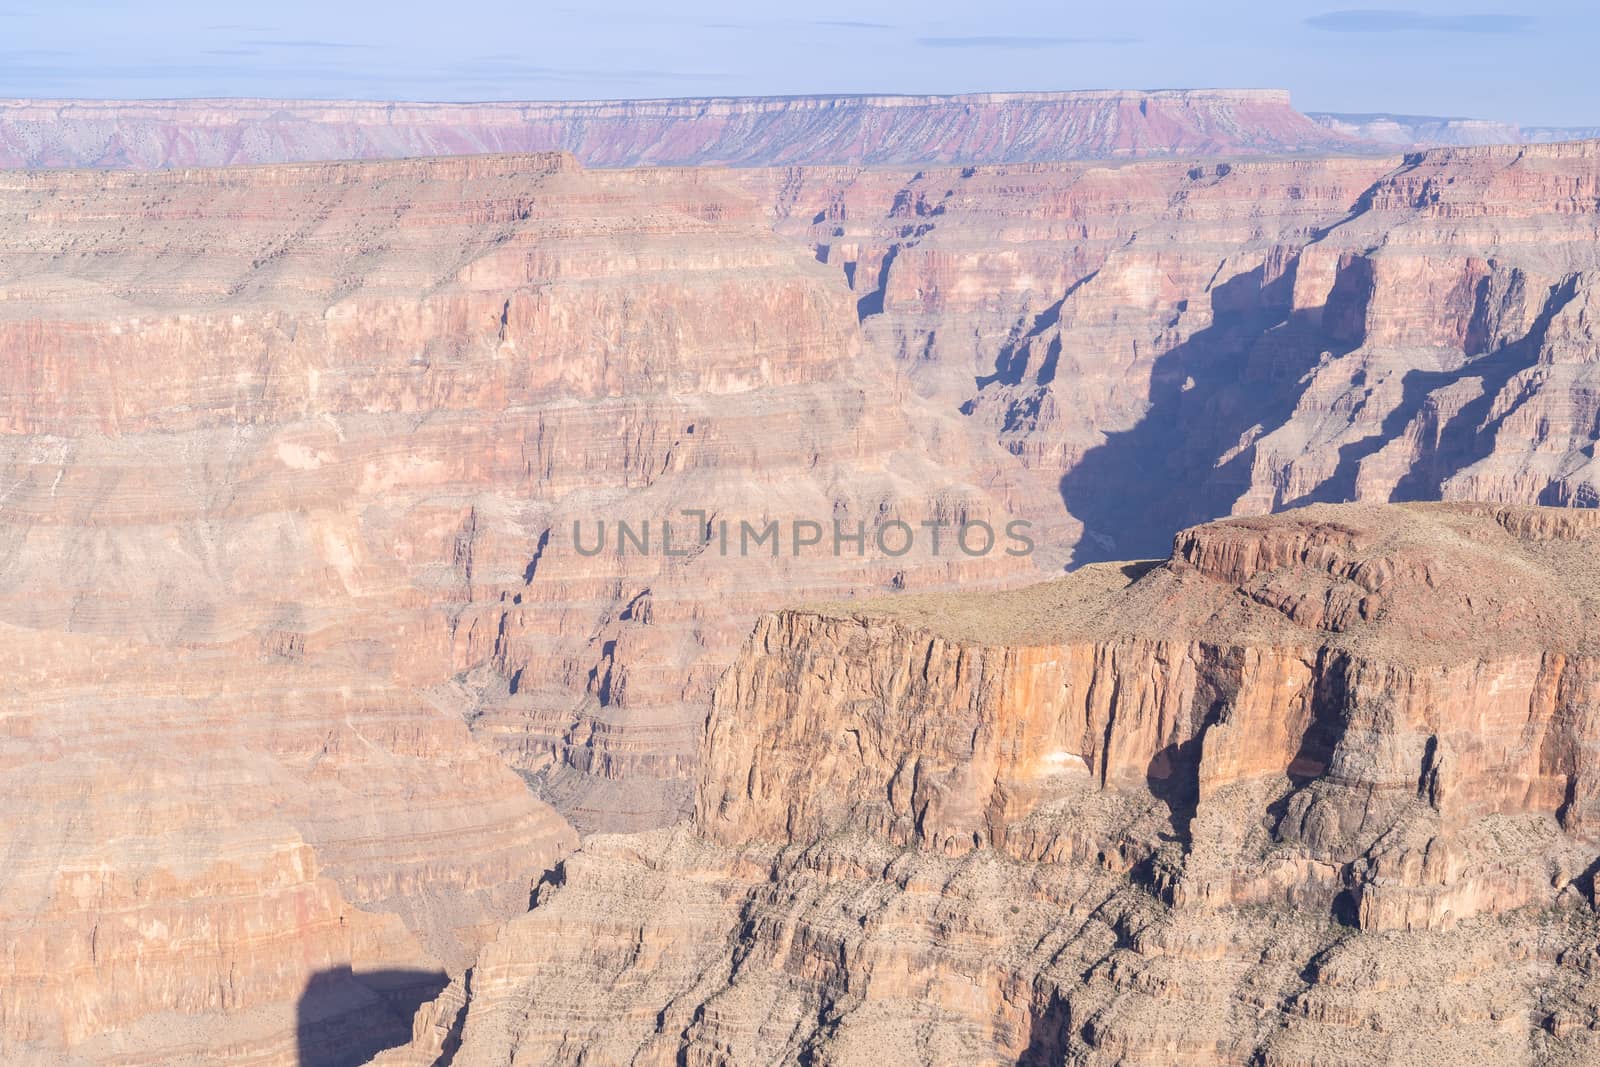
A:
{"x":1403,"y":582}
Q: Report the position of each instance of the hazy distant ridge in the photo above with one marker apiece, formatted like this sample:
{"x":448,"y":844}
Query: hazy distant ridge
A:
{"x":753,"y":131}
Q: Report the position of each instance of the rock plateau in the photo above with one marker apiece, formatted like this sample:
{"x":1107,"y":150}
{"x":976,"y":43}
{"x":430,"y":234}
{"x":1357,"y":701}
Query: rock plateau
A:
{"x":1317,"y":789}
{"x":1416,"y":131}
{"x":739,"y":131}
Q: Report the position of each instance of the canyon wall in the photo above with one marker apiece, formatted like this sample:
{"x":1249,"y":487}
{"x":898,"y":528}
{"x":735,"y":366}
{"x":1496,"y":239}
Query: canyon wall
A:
{"x":747,"y":131}
{"x":1319,"y":789}
{"x":290,"y":460}
{"x":1161,"y":343}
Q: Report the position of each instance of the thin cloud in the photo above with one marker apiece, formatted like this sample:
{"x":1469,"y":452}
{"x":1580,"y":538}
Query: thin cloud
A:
{"x":306,"y":44}
{"x":999,"y":41}
{"x":1383,"y":20}
{"x":851,"y":24}
{"x":503,"y":66}
{"x":666,"y":18}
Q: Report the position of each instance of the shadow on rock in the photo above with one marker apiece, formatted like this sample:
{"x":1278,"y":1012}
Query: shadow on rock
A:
{"x":345,"y":1018}
{"x":1210,"y":396}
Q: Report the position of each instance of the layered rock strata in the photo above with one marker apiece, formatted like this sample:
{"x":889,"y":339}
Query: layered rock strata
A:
{"x":1416,"y":131}
{"x":290,"y":460}
{"x":739,"y":131}
{"x":1316,"y":789}
{"x":1164,"y":343}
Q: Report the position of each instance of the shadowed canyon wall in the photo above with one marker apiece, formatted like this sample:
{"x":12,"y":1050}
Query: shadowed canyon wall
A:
{"x":1162,"y":343}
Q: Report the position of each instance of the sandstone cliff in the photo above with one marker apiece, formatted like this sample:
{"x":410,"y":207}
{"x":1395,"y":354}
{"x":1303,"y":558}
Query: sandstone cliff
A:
{"x":749,"y":131}
{"x":1163,"y":343}
{"x":289,"y":468}
{"x":1316,"y":790}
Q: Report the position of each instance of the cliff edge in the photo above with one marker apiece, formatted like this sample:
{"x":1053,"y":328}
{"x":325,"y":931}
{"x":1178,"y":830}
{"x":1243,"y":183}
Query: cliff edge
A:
{"x":1316,"y":789}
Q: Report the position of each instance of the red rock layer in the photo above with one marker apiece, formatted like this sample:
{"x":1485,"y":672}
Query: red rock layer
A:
{"x":289,"y":463}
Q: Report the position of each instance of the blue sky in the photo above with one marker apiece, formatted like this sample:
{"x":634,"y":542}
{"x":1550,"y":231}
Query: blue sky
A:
{"x":1532,"y":62}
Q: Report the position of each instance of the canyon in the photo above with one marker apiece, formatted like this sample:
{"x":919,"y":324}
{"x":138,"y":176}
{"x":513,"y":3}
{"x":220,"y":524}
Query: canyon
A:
{"x":329,"y":730}
{"x":1161,"y":343}
{"x":292,"y":460}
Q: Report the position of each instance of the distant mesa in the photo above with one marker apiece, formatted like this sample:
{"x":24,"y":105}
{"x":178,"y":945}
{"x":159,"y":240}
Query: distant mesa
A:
{"x":735,"y":131}
{"x":1428,"y":131}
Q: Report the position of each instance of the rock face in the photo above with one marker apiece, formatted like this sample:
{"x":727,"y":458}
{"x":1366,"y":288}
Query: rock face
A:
{"x":290,"y":461}
{"x":1163,"y":343}
{"x":1317,"y":789}
{"x":751,"y":131}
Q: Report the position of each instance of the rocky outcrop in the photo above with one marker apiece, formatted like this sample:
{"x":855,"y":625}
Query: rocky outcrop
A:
{"x":1317,"y":789}
{"x":739,"y":131}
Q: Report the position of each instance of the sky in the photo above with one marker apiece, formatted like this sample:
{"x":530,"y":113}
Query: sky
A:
{"x":1529,"y":62}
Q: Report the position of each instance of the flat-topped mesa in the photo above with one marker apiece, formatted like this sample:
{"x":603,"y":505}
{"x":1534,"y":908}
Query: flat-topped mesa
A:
{"x":1420,"y":129}
{"x":1142,"y":815}
{"x":1435,"y":656}
{"x":1423,"y":130}
{"x":742,"y":131}
{"x":1242,"y":549}
{"x":223,"y":108}
{"x":1239,"y":551}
